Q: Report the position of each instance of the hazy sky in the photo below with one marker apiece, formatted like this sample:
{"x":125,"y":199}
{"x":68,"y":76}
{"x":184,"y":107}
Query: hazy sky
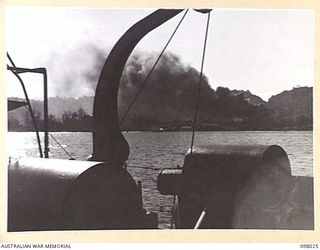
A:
{"x":265,"y":51}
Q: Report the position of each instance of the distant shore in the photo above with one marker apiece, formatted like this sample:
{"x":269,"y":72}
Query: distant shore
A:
{"x":180,"y":130}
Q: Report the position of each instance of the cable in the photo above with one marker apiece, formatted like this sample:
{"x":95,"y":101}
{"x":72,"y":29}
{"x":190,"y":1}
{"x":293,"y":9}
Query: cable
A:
{"x":71,"y":158}
{"x":29,"y":106}
{"x":150,"y":168}
{"x":199,"y":87}
{"x":173,"y":211}
{"x":153,"y":67}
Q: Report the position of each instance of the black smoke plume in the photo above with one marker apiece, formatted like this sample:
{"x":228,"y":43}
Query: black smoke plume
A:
{"x":168,"y":98}
{"x":169,"y":95}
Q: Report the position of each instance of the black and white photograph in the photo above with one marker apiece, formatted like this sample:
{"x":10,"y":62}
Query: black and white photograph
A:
{"x":159,"y":118}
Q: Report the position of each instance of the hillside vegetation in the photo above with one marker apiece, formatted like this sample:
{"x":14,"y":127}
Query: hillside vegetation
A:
{"x":172,"y":108}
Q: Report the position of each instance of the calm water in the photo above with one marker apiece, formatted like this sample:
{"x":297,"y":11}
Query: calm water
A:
{"x":151,"y":152}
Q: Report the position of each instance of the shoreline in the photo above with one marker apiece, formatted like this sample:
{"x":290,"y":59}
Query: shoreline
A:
{"x":167,"y":131}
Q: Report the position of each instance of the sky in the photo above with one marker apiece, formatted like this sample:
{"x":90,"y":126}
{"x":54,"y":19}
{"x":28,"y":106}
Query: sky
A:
{"x":264,"y":51}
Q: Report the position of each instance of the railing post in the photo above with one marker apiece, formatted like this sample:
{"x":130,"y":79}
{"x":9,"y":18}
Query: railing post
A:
{"x":45,"y":114}
{"x":140,"y":193}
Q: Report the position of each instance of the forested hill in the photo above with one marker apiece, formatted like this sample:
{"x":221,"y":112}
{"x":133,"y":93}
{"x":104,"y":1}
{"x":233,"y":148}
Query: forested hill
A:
{"x":248,"y":96}
{"x":292,"y":107}
{"x":168,"y":101}
{"x":220,"y":109}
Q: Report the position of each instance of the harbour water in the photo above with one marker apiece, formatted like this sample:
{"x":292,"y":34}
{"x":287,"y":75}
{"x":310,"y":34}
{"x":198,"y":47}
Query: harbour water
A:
{"x":150,"y":152}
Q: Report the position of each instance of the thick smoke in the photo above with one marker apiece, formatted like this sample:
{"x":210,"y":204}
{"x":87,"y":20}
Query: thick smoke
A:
{"x":74,"y":74}
{"x":168,"y":99}
{"x":169,"y":94}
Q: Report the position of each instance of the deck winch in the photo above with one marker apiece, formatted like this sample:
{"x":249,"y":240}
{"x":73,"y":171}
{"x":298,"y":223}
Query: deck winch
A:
{"x":52,"y":194}
{"x":239,"y":186}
